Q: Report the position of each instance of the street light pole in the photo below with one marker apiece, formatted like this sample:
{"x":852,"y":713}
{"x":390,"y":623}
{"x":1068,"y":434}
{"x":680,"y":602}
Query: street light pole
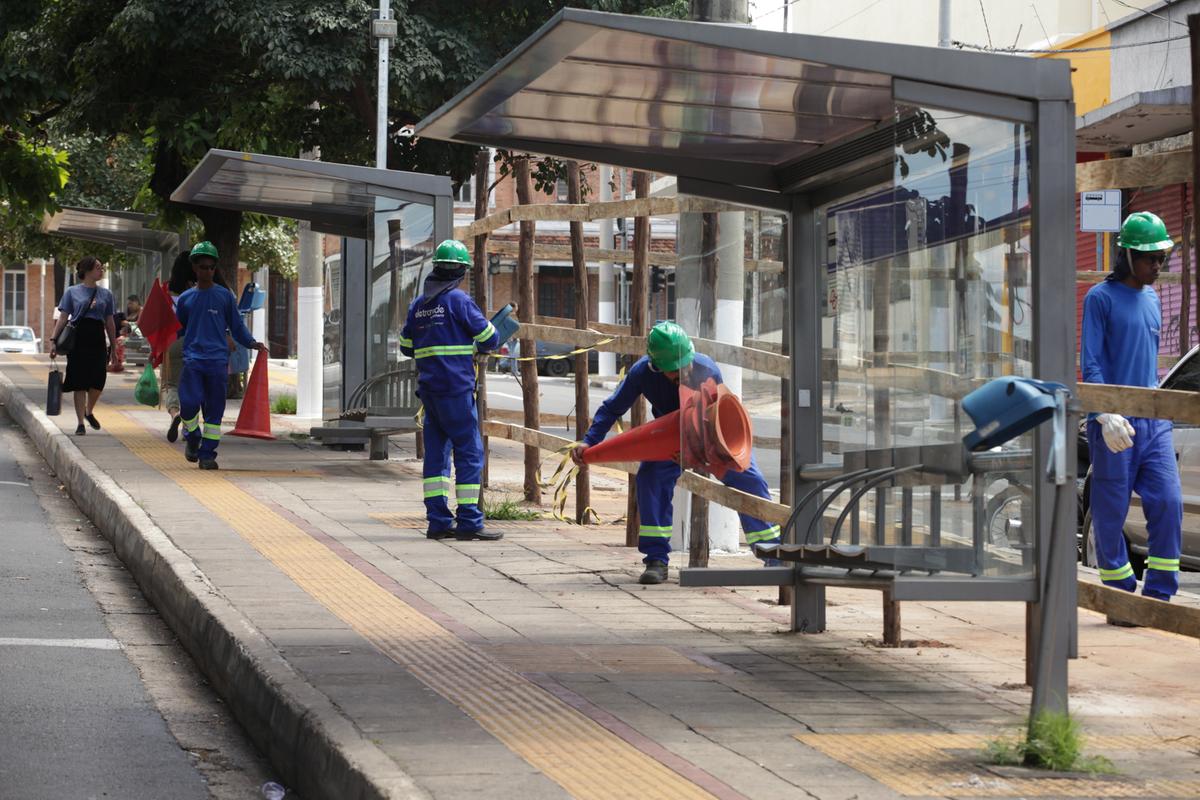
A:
{"x":383,"y":30}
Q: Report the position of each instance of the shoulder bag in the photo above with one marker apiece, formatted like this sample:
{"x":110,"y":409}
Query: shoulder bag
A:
{"x":66,"y":337}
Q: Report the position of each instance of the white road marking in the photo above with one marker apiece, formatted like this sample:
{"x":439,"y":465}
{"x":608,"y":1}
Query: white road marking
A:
{"x":13,"y":483}
{"x":509,"y":396}
{"x":86,"y":644}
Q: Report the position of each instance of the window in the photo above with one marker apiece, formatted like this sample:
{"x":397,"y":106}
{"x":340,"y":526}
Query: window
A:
{"x":465,"y":192}
{"x":14,"y":298}
{"x":1186,"y":377}
{"x":560,"y":191}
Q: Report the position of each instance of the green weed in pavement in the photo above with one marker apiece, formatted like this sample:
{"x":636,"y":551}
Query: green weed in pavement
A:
{"x":508,"y":509}
{"x":1052,"y":741}
{"x":284,"y":404}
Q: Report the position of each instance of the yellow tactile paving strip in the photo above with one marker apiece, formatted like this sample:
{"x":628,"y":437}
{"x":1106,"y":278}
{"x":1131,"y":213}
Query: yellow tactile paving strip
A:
{"x":586,"y":759}
{"x":941,"y":765}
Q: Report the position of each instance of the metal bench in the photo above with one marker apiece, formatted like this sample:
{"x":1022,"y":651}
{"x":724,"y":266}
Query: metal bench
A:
{"x":378,"y":408}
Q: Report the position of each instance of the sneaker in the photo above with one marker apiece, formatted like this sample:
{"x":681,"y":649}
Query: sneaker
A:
{"x":91,"y":419}
{"x":208,"y":463}
{"x":173,"y":431}
{"x":191,"y":450}
{"x":81,"y":431}
{"x":656,"y":572}
{"x":485,"y":535}
{"x":446,"y":533}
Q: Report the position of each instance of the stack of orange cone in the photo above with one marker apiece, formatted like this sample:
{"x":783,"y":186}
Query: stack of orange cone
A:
{"x":254,"y":420}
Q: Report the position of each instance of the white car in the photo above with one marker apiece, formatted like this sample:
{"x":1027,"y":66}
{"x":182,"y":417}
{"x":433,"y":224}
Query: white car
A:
{"x":18,"y":339}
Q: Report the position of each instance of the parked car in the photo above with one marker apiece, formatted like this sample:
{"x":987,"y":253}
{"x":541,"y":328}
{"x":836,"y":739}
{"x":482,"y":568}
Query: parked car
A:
{"x":18,"y":339}
{"x":1184,"y":376}
{"x":554,"y":367}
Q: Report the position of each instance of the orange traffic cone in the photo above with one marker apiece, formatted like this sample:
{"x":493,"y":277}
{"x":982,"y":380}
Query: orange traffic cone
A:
{"x":711,"y":430}
{"x":254,"y":420}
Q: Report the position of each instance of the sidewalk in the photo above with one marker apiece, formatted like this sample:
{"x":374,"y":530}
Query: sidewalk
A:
{"x":370,"y":662}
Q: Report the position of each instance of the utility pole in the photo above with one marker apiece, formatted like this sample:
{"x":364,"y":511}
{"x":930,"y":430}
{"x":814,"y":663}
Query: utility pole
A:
{"x":944,"y":23}
{"x":607,"y":306}
{"x":310,"y":326}
{"x":717,"y":279}
{"x":383,"y":30}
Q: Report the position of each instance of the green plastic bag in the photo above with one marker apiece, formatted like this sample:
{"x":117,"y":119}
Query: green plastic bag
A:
{"x":146,"y":391}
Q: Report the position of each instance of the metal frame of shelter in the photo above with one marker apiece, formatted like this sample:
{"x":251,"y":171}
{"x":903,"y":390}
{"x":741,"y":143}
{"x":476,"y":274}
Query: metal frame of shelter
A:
{"x":127,"y":231}
{"x":789,"y":122}
{"x":339,"y":199}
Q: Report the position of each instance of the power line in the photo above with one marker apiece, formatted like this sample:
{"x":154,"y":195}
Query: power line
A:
{"x":987,"y":48}
{"x":862,"y":10}
{"x":987,"y":29}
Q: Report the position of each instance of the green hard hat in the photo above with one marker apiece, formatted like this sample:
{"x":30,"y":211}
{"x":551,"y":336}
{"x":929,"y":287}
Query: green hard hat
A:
{"x":669,"y":347}
{"x":1144,"y":231}
{"x":204,"y":248}
{"x":452,"y":251}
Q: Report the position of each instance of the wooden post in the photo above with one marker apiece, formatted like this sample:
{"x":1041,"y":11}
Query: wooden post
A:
{"x":639,"y":309}
{"x":709,"y":236}
{"x":583,"y":488}
{"x":891,"y":621}
{"x":1185,"y":298}
{"x":527,"y":313}
{"x":479,"y":292}
{"x":1193,"y":22}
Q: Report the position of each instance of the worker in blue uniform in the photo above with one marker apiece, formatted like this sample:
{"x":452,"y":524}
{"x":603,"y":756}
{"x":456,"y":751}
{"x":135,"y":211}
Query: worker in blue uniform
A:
{"x":205,"y":313}
{"x":670,"y":360}
{"x":1121,"y":323}
{"x":443,"y":331}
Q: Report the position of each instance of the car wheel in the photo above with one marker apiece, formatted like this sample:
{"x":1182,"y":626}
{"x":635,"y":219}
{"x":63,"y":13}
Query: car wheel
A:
{"x":1013,"y":503}
{"x":557,"y":367}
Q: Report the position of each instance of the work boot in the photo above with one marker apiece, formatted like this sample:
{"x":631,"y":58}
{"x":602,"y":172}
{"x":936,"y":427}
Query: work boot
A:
{"x":173,"y":431}
{"x":656,"y":572}
{"x":209,"y":463}
{"x":444,"y":533}
{"x":191,"y":450}
{"x":482,"y":534}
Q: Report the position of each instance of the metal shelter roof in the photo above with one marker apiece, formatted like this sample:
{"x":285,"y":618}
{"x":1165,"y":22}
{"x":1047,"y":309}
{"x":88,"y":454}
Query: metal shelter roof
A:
{"x":126,"y":230}
{"x":336,"y":198}
{"x":722,"y":103}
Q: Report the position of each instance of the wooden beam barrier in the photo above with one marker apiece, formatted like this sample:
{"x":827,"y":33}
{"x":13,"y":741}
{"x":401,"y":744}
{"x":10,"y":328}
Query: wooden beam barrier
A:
{"x":1159,"y":169}
{"x":1134,"y":401}
{"x":1138,"y":609}
{"x":1086,"y":276}
{"x":562,"y":252}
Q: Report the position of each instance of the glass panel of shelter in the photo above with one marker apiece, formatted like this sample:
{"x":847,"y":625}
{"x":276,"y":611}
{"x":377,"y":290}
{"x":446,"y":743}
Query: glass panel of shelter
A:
{"x":401,"y":255}
{"x":928,"y":296}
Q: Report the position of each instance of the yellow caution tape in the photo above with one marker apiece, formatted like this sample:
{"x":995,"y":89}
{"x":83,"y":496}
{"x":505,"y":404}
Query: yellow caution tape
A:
{"x":560,"y":483}
{"x":577,"y":352}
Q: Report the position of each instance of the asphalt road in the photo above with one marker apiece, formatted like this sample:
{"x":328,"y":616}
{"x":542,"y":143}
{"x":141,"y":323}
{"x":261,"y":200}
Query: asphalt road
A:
{"x":81,"y":685}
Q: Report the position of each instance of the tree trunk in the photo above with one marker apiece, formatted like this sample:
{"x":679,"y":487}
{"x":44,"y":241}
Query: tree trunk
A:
{"x":479,"y":291}
{"x":224,"y":229}
{"x":639,"y":308}
{"x":583,"y":487}
{"x":528,"y":313}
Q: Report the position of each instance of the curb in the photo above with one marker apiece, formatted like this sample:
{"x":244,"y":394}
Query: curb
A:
{"x":314,"y":747}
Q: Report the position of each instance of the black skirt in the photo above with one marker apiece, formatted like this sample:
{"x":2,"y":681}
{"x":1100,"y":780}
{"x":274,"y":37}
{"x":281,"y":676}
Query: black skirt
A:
{"x":88,"y":360}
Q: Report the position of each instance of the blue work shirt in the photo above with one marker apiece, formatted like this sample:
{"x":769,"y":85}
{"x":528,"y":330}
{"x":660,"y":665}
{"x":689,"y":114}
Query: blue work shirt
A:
{"x":441,"y":333}
{"x":643,"y":380}
{"x":205,"y":315}
{"x":1121,"y":327}
{"x":77,"y":303}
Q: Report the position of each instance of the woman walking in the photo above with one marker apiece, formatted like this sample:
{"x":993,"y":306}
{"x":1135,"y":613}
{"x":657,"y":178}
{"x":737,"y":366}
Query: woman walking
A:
{"x":89,"y":307}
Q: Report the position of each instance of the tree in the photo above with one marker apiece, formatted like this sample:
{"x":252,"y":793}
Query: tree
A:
{"x":275,"y":76}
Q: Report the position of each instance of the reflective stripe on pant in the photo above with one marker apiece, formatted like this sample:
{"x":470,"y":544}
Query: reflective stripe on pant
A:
{"x":655,"y":492}
{"x":452,"y":427}
{"x":202,"y":386}
{"x":1149,"y":469}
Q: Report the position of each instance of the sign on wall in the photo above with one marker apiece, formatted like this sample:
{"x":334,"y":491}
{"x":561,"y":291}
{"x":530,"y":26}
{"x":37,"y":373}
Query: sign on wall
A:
{"x":1100,"y":211}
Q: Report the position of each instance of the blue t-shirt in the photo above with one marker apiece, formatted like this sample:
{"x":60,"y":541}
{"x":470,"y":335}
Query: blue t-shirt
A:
{"x":206,"y":314}
{"x":642,"y":380}
{"x":77,"y":303}
{"x":1121,"y":327}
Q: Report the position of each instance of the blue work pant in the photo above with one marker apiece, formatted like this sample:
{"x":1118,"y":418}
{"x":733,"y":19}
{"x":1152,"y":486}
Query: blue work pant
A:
{"x":655,"y":493}
{"x":1149,"y":469}
{"x":452,"y":426}
{"x":202,"y":387}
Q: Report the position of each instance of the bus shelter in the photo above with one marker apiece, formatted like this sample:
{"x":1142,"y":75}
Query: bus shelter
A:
{"x":390,"y":222}
{"x":926,"y":205}
{"x":148,"y":251}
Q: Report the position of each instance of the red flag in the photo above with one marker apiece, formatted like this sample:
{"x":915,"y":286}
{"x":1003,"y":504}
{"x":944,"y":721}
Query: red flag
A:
{"x":158,"y":322}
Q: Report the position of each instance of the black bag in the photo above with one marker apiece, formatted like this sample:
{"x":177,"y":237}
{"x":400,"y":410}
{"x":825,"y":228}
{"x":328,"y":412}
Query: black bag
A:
{"x":66,"y":337}
{"x":54,"y":391}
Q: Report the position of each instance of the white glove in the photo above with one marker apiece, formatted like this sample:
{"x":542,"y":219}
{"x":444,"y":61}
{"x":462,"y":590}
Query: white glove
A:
{"x":1118,"y":433}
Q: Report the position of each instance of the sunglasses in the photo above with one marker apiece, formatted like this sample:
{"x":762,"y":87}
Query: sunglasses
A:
{"x":1158,"y":258}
